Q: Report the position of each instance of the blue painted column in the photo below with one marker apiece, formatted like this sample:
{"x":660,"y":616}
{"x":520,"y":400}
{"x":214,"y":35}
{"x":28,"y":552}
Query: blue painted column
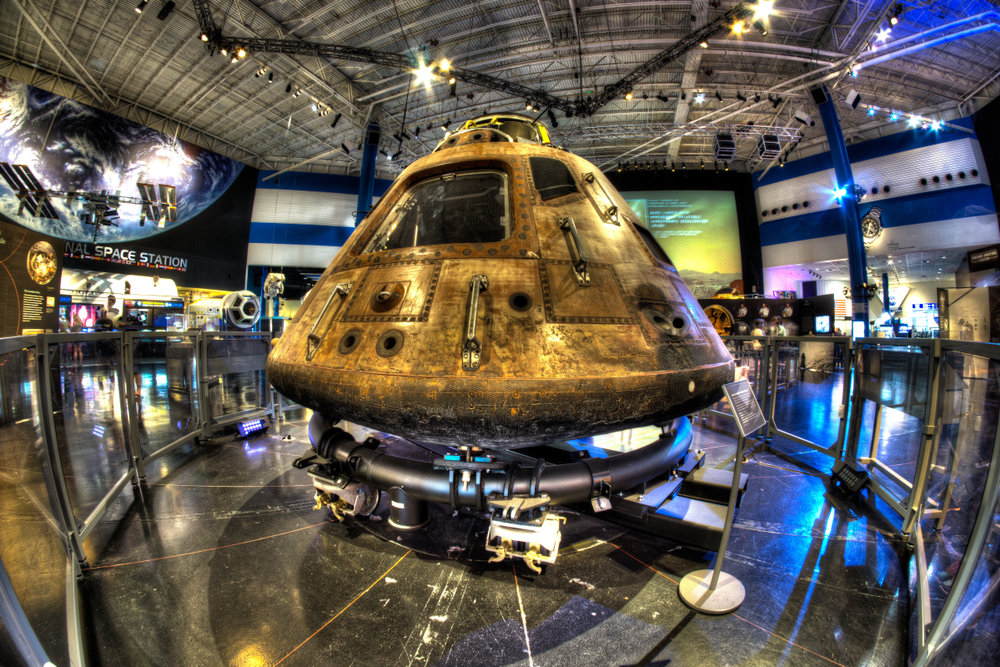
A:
{"x":856,"y":258}
{"x":368,"y":159}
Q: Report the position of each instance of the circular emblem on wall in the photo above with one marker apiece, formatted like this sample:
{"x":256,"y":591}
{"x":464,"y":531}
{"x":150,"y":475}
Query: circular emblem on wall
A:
{"x":42,"y":262}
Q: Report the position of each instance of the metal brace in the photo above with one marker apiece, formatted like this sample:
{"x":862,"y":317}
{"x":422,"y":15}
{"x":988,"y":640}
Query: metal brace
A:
{"x":580,"y":265}
{"x":472,"y":348}
{"x":534,"y":541}
{"x":313,"y":340}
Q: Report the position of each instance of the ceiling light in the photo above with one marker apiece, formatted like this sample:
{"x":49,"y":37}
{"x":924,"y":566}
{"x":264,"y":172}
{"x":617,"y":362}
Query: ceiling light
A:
{"x":738,"y":27}
{"x":628,"y":95}
{"x":718,"y":96}
{"x":222,"y":50}
{"x":914,"y":121}
{"x":704,"y":45}
{"x":204,"y":37}
{"x":424,"y":75}
{"x":445,"y":65}
{"x":297,"y":93}
{"x":699,"y":98}
{"x":883,"y":34}
{"x":527,"y":105}
{"x":763,"y":9}
{"x":444,"y":125}
{"x":935,"y":125}
{"x":141,"y":6}
{"x":235,"y":59}
{"x":894,"y":116}
{"x":270,"y":77}
{"x":241,"y":52}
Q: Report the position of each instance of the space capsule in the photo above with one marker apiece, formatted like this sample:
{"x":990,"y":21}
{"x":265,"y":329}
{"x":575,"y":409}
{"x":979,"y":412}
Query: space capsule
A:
{"x":501,"y":294}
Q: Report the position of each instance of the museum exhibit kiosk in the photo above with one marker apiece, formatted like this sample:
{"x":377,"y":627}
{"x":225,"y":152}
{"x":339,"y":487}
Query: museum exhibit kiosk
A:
{"x":431,"y":333}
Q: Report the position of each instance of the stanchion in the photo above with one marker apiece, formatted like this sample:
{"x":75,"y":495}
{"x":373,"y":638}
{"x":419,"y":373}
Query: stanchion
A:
{"x":714,"y":591}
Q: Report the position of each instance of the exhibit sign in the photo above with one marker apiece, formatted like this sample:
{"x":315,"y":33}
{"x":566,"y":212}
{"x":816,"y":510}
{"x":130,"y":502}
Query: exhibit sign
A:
{"x":126,"y":255}
{"x":29,"y":283}
{"x":698,"y":230}
{"x":749,"y":417}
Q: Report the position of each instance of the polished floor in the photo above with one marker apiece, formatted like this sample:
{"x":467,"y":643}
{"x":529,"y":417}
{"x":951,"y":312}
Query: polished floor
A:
{"x":219,"y":559}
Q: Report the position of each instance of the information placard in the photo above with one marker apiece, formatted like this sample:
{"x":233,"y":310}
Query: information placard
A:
{"x":749,"y":417}
{"x":30,"y":270}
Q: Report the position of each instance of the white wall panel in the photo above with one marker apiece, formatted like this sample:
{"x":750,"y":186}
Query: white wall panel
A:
{"x":900,"y":171}
{"x":276,"y":254}
{"x":305,"y":208}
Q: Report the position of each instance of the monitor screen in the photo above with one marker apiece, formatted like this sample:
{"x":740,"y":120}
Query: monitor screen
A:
{"x":822,"y":324}
{"x":88,"y":315}
{"x":857,"y":329}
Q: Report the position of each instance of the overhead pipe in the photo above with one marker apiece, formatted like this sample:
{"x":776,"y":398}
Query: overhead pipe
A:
{"x":938,"y":29}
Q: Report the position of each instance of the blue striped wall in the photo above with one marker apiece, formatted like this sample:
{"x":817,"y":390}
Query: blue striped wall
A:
{"x":303,"y":219}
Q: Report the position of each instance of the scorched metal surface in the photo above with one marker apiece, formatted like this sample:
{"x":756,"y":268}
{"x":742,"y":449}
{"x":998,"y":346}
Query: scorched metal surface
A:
{"x":501,"y":294}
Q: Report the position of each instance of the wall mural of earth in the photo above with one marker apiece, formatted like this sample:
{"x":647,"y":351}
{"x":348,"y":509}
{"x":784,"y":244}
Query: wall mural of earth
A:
{"x":91,"y":150}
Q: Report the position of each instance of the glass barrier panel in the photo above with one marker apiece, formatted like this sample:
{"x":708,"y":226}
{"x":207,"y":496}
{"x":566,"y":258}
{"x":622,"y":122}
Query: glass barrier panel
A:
{"x":960,"y":464}
{"x":163,"y":370}
{"x":234,"y":377}
{"x":971,"y":636}
{"x":87,"y":409}
{"x":32,"y":547}
{"x":895,"y":376}
{"x":810,"y":391}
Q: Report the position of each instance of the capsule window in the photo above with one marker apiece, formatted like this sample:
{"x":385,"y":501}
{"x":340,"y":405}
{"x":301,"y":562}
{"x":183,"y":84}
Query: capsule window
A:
{"x":552,"y":178}
{"x":467,"y":207}
{"x":653,"y":245}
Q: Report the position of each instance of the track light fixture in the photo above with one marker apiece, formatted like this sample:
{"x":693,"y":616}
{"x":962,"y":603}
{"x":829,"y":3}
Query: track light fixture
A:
{"x":222,"y":50}
{"x":298,"y":92}
{"x":270,"y":77}
{"x":453,"y":84}
{"x":141,"y":6}
{"x":527,"y":105}
{"x":444,"y":125}
{"x":718,"y":96}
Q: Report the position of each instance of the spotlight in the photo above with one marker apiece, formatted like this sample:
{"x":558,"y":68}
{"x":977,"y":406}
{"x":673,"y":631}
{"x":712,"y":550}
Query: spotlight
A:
{"x":297,"y":92}
{"x":774,"y":100}
{"x":935,"y":125}
{"x":416,"y":131}
{"x":204,"y":37}
{"x":727,"y":166}
{"x":445,"y":65}
{"x":235,"y":59}
{"x":165,"y":11}
{"x":840,"y":193}
{"x":702,"y":164}
{"x":628,"y":95}
{"x":288,"y":88}
{"x":552,"y":119}
{"x":424,"y":75}
{"x":704,"y":45}
{"x":718,"y":96}
{"x":222,"y":50}
{"x":756,"y":98}
{"x":894,"y":116}
{"x":444,"y":125}
{"x":741,"y":97}
{"x":683,"y":166}
{"x":683,"y":95}
{"x":763,"y":9}
{"x":914,"y":121}
{"x":336,"y":119}
{"x":699,"y":98}
{"x":883,"y":35}
{"x":270,"y":77}
{"x":871,"y":111}
{"x":453,"y":84}
{"x":737,"y":27}
{"x":241,"y":52}
{"x":761,"y":28}
{"x":673,"y":166}
{"x":645,"y":96}
{"x":527,"y":105}
{"x":141,"y":6}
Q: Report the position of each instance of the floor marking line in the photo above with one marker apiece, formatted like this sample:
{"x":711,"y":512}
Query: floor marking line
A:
{"x":776,"y":636}
{"x":360,"y":595}
{"x":789,"y":641}
{"x":201,"y":551}
{"x":524,"y":618}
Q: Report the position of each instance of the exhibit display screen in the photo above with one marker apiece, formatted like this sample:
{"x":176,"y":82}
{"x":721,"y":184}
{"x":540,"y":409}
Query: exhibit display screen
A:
{"x":823,"y":324}
{"x":698,"y":230}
